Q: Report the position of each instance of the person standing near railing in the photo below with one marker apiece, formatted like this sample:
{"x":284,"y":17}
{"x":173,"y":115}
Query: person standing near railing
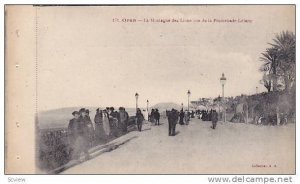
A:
{"x":106,"y":125}
{"x":139,"y":118}
{"x":82,"y":136}
{"x":99,"y":130}
{"x":91,"y":129}
{"x":72,"y":132}
{"x":113,"y":121}
{"x":123,"y":119}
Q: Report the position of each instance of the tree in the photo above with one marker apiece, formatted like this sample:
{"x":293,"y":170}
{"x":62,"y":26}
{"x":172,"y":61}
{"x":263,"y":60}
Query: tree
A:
{"x":267,"y":82}
{"x":279,"y":62}
{"x":270,"y":59}
{"x":285,"y":44}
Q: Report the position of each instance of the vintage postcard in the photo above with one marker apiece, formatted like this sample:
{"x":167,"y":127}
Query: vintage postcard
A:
{"x":150,"y":89}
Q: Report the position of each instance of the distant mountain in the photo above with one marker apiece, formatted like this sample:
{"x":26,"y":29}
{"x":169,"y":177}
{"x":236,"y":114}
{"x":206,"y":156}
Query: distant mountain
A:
{"x":166,"y":106}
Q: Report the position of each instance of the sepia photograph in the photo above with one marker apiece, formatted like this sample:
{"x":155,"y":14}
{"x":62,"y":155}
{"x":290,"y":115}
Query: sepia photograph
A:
{"x":150,"y":89}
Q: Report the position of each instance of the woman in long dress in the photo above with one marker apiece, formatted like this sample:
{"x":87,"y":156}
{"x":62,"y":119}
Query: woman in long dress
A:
{"x":105,"y":121}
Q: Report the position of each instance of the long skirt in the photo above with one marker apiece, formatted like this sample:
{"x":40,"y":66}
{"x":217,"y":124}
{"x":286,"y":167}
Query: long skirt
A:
{"x":106,"y":127}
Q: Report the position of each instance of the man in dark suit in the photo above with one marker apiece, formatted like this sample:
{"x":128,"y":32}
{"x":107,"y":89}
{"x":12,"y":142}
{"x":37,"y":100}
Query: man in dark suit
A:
{"x":72,"y":131}
{"x":82,"y":136}
{"x":181,"y":115}
{"x":91,"y":130}
{"x":172,"y":119}
{"x":156,"y":117}
{"x":214,"y":119}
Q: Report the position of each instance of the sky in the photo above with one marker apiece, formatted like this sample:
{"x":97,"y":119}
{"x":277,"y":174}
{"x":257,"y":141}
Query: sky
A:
{"x":86,"y":59}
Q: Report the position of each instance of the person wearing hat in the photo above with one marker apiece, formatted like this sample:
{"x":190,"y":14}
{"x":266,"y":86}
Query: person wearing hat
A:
{"x":214,"y":119}
{"x":113,"y":121}
{"x":156,"y":117}
{"x":82,"y":136}
{"x":181,"y":116}
{"x":105,"y":121}
{"x":152,"y":116}
{"x":81,"y":110}
{"x":99,"y":131}
{"x":72,"y":131}
{"x":172,"y":120}
{"x":91,"y":129}
{"x":72,"y":122}
{"x":123,"y":119}
{"x":139,"y":118}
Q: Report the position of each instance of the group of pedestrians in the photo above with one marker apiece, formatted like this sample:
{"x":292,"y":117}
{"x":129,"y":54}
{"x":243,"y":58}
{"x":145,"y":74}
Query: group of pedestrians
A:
{"x":174,"y":116}
{"x":80,"y":133}
{"x":184,"y":117}
{"x":154,"y":117}
{"x":110,"y":123}
{"x":83,"y":135}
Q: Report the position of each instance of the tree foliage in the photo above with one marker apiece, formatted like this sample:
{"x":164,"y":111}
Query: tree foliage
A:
{"x":279,"y":62}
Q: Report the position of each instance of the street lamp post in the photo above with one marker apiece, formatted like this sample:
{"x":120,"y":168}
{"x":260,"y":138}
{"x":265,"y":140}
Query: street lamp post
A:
{"x":147,"y":105}
{"x":189,"y":94}
{"x":136,"y":101}
{"x":223,"y":82}
{"x":182,"y":106}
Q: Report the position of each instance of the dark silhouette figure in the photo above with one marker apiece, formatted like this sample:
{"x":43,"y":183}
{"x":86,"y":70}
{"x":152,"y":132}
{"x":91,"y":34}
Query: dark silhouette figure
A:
{"x":172,"y":119}
{"x":181,"y":117}
{"x":139,"y":119}
{"x":214,"y":119}
{"x":156,"y":116}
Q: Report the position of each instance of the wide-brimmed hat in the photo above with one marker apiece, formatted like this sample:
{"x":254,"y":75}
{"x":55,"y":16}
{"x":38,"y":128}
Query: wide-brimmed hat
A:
{"x":75,"y":112}
{"x":82,"y":110}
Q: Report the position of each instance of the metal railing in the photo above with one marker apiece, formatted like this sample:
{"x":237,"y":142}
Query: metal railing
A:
{"x":54,"y":147}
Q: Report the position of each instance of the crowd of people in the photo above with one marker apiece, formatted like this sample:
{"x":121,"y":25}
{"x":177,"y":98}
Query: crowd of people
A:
{"x":108,"y":123}
{"x":83,"y":135}
{"x":206,"y":115}
{"x":184,"y":117}
{"x":154,"y":116}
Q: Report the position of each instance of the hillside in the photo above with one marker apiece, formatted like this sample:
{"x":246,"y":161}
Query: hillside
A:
{"x":166,"y":106}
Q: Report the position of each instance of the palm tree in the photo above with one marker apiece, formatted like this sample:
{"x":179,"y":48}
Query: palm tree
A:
{"x":267,"y":82}
{"x":280,"y":61}
{"x":270,"y":66}
{"x":285,"y":44}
